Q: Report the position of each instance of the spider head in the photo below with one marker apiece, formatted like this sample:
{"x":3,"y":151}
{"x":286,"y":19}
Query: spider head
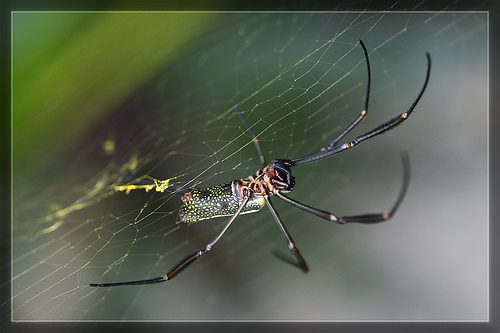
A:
{"x":281,"y":176}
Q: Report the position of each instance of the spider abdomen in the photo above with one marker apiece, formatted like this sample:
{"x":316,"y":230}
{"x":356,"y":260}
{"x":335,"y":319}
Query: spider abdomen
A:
{"x":216,"y":201}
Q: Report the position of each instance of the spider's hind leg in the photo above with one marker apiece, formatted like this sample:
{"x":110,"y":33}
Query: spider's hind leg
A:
{"x":252,"y":133}
{"x":300,"y":263}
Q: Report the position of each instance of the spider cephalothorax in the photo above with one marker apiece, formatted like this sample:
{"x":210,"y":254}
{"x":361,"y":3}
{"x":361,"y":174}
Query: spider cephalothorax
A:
{"x":271,"y":179}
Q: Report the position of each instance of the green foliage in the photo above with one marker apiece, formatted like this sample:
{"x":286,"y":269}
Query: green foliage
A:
{"x":70,"y":69}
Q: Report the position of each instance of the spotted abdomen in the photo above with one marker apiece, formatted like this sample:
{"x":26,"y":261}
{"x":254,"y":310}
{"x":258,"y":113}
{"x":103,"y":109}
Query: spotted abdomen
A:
{"x":219,"y":200}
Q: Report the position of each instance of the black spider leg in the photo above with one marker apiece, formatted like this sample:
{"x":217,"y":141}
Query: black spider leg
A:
{"x":301,"y":263}
{"x":185,"y":262}
{"x":365,"y":218}
{"x":252,"y":133}
{"x":376,"y":131}
{"x":364,"y":112}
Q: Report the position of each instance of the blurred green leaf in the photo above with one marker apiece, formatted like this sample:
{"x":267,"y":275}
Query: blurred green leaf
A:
{"x":70,"y":69}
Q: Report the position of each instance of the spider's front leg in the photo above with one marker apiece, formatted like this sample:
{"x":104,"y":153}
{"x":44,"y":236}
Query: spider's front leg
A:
{"x":364,"y":218}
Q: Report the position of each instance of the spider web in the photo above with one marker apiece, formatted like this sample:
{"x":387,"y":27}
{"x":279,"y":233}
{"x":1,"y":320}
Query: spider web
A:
{"x":299,"y":78}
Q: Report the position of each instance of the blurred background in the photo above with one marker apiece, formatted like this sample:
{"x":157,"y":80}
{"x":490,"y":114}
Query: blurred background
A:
{"x":103,"y":97}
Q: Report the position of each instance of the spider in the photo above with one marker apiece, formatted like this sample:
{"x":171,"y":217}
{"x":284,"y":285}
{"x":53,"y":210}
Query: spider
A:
{"x":251,"y":194}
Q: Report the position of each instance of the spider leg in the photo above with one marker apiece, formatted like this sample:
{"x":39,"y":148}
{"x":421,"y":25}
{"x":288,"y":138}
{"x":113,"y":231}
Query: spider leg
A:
{"x":291,"y":245}
{"x":363,"y":113}
{"x":365,"y":218}
{"x":254,"y":137}
{"x":185,"y":262}
{"x":376,"y":131}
